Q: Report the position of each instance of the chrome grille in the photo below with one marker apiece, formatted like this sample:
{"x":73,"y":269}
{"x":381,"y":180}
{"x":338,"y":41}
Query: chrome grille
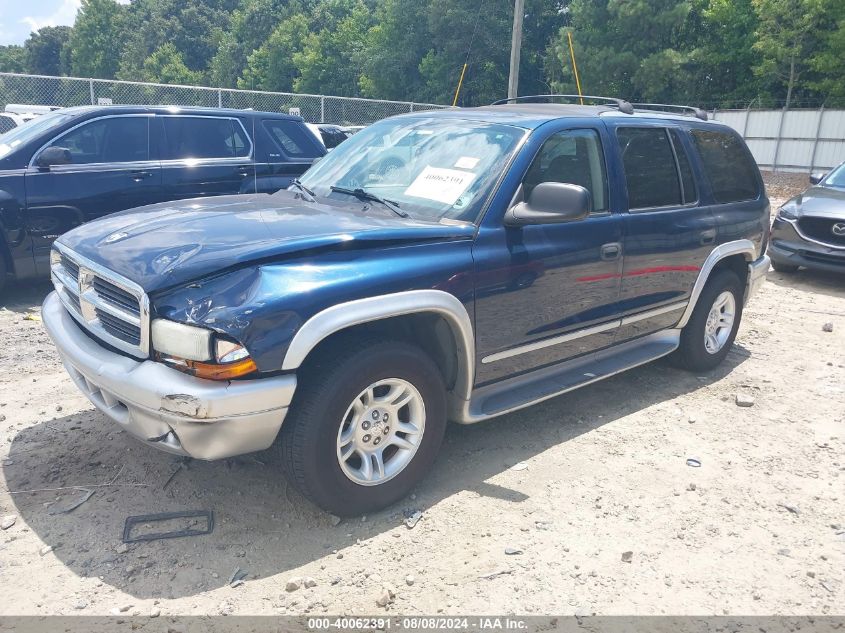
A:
{"x":113,"y":308}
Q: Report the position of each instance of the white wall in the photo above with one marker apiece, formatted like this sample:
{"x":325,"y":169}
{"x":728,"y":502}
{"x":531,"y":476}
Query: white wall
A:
{"x":797,"y":140}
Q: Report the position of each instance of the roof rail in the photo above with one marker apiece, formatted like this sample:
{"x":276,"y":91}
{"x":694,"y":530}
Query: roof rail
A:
{"x":624,"y":106}
{"x":698,"y":113}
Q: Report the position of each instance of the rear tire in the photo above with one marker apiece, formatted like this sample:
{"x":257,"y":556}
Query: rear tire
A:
{"x":784,"y":268}
{"x":710,"y":332}
{"x":343,"y":418}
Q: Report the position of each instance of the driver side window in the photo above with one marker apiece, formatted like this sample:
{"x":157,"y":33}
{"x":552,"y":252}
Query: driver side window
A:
{"x":123,"y":139}
{"x":574,"y":157}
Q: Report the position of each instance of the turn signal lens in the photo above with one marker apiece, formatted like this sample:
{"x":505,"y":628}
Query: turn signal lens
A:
{"x":212,"y":371}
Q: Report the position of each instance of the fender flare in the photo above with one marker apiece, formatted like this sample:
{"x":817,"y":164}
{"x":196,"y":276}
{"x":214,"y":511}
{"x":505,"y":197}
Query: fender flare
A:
{"x":737,"y":247}
{"x":351,"y":313}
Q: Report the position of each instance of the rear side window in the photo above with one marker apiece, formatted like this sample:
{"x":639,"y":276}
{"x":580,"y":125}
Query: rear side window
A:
{"x":291,"y":139}
{"x":123,"y":139}
{"x":728,"y":165}
{"x":203,"y":137}
{"x":690,"y":191}
{"x":651,"y":174}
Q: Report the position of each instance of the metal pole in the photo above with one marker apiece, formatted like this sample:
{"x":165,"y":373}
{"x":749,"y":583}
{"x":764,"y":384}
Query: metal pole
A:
{"x":516,"y":44}
{"x":745,"y":123}
{"x":219,"y":98}
{"x":816,"y":142}
{"x":91,"y":90}
{"x":460,"y":83}
{"x":322,"y":109}
{"x":777,"y":141}
{"x":575,"y":67}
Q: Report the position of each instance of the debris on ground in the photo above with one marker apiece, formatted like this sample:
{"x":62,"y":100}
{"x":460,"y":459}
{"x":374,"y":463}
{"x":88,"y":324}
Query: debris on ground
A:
{"x":744,"y":400}
{"x":789,"y":508}
{"x":46,"y":549}
{"x":308,"y":582}
{"x":30,"y":316}
{"x":693,"y":462}
{"x":519,"y":466}
{"x":409,"y":579}
{"x":512,"y":551}
{"x":503,"y":572}
{"x":386,"y":595}
{"x":8,"y":521}
{"x":627,"y":556}
{"x":237,"y":577}
{"x":827,"y":327}
{"x":293,"y":584}
{"x":87,"y":494}
{"x":412,"y":517}
{"x":131,"y":522}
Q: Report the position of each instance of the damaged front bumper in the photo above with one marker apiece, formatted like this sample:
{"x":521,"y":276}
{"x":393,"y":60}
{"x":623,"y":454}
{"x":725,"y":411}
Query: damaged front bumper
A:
{"x":165,"y":408}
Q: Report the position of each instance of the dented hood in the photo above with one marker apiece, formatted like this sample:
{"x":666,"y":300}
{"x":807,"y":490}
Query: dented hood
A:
{"x":168,"y":244}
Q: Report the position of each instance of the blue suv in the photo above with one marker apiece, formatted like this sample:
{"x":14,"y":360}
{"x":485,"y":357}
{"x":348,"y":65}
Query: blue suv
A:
{"x":450,"y":265}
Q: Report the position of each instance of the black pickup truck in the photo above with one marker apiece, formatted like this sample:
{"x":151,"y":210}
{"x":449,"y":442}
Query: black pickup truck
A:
{"x":78,"y":164}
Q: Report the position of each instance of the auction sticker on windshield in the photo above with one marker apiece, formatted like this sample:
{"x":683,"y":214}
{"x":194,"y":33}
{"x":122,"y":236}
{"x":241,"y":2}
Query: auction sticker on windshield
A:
{"x":442,"y":185}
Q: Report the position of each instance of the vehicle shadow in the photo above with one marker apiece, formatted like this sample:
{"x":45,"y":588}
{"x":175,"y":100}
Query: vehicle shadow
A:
{"x":25,"y":296}
{"x":261,"y":524}
{"x":815,"y":281}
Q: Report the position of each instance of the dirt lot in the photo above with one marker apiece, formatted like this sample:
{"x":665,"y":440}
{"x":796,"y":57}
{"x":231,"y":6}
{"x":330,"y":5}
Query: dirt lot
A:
{"x":592,"y":490}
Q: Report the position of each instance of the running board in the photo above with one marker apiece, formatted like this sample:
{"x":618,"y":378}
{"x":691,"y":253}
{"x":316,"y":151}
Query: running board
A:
{"x":542,"y":384}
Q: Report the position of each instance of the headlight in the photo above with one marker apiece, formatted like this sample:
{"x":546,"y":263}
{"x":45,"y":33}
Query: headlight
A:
{"x":789,"y":211}
{"x":200,"y":352}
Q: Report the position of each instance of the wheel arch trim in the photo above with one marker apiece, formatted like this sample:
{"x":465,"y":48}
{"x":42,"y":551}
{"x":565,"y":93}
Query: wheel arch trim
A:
{"x":351,"y":313}
{"x":728,"y":249}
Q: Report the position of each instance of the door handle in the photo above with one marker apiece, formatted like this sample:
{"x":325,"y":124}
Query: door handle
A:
{"x":243,"y":170}
{"x":140,"y":175}
{"x":611,"y":251}
{"x":708,"y":236}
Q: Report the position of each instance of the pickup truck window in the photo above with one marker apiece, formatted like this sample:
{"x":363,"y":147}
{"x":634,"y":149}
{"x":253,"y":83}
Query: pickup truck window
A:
{"x":575,"y":157}
{"x":189,"y":137}
{"x":728,"y":166}
{"x":121,"y":139}
{"x":430,"y":167}
{"x":651,"y":174}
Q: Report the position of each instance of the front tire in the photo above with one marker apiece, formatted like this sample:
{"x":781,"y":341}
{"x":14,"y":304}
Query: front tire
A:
{"x":365,"y":425}
{"x":710,"y":332}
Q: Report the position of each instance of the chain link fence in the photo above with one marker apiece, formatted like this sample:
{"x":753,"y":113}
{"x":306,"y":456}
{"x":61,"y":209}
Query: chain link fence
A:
{"x":73,"y":91}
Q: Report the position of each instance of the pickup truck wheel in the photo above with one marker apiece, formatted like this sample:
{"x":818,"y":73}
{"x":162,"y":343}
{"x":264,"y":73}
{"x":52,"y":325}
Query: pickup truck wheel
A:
{"x":710,"y":332}
{"x":364,"y":427}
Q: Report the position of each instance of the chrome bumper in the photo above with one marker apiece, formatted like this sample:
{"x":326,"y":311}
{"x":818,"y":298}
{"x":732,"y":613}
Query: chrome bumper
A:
{"x":165,"y":408}
{"x":757,"y":271}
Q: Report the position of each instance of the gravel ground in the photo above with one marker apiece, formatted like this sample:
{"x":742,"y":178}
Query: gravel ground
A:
{"x":583,"y":504}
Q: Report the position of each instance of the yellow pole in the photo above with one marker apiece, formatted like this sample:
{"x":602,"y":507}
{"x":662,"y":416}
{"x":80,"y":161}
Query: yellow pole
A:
{"x":574,"y":67}
{"x":460,"y":82}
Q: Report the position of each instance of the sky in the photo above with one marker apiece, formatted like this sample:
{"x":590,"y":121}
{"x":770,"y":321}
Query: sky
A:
{"x":20,"y":17}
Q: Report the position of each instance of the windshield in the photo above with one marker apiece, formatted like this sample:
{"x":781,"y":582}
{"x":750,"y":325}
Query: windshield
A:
{"x":835,"y":178}
{"x":429,"y":167}
{"x":23,"y":134}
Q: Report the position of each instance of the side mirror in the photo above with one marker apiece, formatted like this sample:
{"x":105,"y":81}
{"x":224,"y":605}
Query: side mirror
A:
{"x":54,"y":156}
{"x":551,"y":203}
{"x":816,"y":177}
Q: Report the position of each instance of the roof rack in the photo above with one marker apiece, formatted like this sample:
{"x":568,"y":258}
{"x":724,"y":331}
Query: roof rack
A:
{"x":624,"y":106}
{"x":698,"y":113}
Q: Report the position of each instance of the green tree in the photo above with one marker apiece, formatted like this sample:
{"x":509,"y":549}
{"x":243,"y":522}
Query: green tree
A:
{"x":451,"y":24}
{"x":251,"y":25}
{"x":12,"y":59}
{"x":194,"y":28}
{"x":330,"y":60}
{"x":48,"y":51}
{"x":166,"y":66}
{"x":827,"y":61}
{"x":787,"y":37}
{"x":272,"y":67}
{"x":627,"y":48}
{"x":97,"y":39}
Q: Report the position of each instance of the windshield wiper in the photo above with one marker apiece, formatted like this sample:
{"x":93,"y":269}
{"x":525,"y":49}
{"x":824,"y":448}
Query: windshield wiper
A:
{"x":303,"y":189}
{"x":362,"y":194}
